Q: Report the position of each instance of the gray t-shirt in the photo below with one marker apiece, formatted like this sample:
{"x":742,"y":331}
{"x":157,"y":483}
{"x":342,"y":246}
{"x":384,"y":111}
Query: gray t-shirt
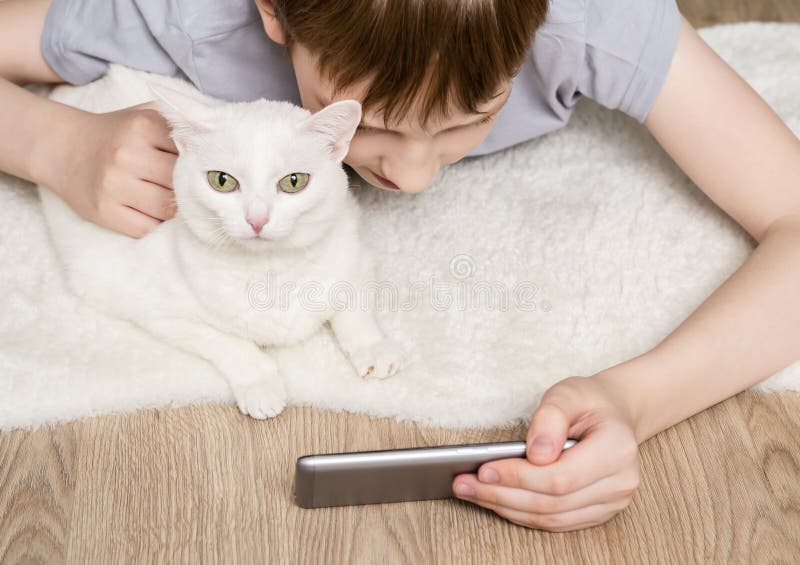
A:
{"x":616,"y":52}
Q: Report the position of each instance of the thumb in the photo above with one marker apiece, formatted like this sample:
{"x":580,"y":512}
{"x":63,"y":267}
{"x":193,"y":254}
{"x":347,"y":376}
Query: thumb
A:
{"x":549,"y":427}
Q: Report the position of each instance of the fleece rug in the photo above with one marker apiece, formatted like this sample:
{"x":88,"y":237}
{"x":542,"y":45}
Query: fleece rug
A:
{"x":560,"y":256}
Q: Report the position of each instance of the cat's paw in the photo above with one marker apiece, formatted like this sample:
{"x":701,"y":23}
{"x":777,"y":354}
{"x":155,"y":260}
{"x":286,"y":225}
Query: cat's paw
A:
{"x":260,"y":400}
{"x":377,"y":361}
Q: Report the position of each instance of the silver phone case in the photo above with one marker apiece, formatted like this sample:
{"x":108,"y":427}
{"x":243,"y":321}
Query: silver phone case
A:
{"x":393,"y":475}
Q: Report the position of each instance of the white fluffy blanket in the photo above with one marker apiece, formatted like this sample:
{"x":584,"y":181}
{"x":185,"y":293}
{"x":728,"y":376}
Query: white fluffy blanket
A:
{"x":595,"y":239}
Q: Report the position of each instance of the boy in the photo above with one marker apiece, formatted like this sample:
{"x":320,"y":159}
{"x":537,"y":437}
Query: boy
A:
{"x":440,"y":80}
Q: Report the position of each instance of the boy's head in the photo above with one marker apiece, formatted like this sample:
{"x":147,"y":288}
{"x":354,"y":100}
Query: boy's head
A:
{"x":431,"y":75}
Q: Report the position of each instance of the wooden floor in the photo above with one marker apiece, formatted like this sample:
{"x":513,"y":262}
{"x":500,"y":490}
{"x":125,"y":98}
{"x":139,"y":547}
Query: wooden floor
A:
{"x":207,"y":484}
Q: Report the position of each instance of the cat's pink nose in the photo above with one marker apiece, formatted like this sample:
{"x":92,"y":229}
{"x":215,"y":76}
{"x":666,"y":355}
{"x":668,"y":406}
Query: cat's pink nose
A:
{"x":257,"y":222}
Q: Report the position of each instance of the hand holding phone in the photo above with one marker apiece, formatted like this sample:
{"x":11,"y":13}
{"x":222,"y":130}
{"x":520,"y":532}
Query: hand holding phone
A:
{"x":393,"y":475}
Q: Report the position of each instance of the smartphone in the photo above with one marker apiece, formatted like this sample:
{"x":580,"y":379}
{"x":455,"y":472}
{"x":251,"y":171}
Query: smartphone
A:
{"x":393,"y":475}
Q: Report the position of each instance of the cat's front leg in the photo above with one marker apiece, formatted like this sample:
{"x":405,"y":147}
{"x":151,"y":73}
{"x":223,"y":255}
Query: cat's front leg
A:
{"x":372,"y":354}
{"x":252,"y":374}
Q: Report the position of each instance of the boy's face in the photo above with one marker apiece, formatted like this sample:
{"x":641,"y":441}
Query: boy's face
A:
{"x":404,"y":157}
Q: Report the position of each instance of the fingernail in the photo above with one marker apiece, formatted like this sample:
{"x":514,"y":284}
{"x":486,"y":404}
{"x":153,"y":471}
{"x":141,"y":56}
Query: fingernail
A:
{"x":542,"y":445}
{"x":489,"y":475}
{"x":464,"y":490}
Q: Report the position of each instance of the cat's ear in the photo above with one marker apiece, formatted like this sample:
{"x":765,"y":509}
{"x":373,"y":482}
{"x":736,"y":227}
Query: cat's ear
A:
{"x":186,"y":114}
{"x":337,"y":123}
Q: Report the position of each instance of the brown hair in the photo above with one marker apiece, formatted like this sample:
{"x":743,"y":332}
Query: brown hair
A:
{"x":467,"y":48}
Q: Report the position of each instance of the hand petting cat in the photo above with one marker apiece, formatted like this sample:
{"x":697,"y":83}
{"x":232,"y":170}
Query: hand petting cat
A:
{"x":115,"y":168}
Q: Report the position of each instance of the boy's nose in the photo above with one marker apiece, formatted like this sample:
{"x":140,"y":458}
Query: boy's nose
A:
{"x":416,"y":180}
{"x":413,"y":176}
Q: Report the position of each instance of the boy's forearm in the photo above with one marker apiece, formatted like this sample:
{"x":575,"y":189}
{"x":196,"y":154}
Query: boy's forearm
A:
{"x":33,"y":131}
{"x":743,"y":333}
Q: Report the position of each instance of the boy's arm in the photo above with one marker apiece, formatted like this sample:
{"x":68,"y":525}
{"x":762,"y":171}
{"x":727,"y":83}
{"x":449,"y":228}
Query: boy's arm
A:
{"x":29,"y":116}
{"x":21,"y":60}
{"x":740,"y":153}
{"x":113,"y":169}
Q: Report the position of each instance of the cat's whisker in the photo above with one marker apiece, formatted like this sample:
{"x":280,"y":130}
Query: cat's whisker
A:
{"x":220,"y":239}
{"x":311,"y":222}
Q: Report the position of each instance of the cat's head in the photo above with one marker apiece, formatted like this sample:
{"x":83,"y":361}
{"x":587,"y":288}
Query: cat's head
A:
{"x":260,"y":175}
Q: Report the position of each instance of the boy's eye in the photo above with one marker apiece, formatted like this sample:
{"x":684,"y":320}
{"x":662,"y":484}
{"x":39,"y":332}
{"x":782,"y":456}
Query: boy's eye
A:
{"x":367,"y":129}
{"x":485,"y":120}
{"x":293,"y":182}
{"x":222,"y":181}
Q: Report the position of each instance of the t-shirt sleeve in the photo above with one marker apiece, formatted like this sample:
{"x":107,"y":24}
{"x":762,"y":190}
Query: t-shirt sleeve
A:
{"x":81,"y":37}
{"x":629,"y":46}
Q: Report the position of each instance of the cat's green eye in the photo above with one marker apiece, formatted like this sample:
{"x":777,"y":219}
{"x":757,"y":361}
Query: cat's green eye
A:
{"x":293,"y":182}
{"x":222,"y":181}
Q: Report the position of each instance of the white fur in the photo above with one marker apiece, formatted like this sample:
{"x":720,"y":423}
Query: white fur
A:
{"x":613,"y":234}
{"x":189,"y":282}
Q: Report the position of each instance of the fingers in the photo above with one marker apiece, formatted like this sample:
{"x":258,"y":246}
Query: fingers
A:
{"x":159,"y":134}
{"x":607,"y":489}
{"x":161,"y":138}
{"x":151,"y":199}
{"x":130,"y":222}
{"x":157,"y":167}
{"x":602,"y":451}
{"x":548,"y":429}
{"x":560,"y":407}
{"x":558,"y":489}
{"x":563,"y":522}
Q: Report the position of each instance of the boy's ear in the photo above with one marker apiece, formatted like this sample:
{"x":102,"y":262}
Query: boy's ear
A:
{"x":272,"y":24}
{"x":186,"y":114}
{"x":337,"y":123}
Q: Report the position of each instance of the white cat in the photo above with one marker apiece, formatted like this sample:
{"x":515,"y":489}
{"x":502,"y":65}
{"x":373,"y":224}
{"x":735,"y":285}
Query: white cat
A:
{"x":262,"y":202}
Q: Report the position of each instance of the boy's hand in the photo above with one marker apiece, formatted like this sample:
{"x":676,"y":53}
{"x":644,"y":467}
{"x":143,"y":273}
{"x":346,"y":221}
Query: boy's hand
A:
{"x":115,"y":169}
{"x":583,"y":486}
